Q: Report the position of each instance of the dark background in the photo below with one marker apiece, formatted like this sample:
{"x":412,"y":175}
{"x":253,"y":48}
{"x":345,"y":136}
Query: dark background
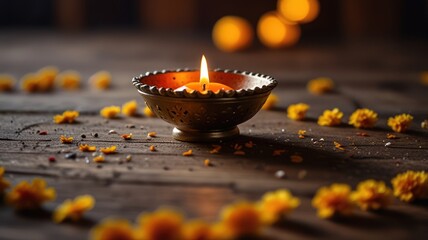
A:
{"x":343,"y":19}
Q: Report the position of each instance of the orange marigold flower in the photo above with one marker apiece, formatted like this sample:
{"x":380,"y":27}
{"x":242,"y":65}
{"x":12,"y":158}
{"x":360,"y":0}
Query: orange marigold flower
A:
{"x":73,"y":209}
{"x":47,"y":77}
{"x":108,"y":150}
{"x":330,"y":118}
{"x":65,"y":139}
{"x":188,"y":153}
{"x":110,"y":112}
{"x":271,"y":102}
{"x":334,"y":199}
{"x":163,"y":224}
{"x":400,"y":123}
{"x":99,"y":159}
{"x":66,"y":117}
{"x":32,"y":195}
{"x":100,"y":80}
{"x":3,"y":182}
{"x":127,"y":136}
{"x":320,"y":85}
{"x":87,"y":148}
{"x":410,"y":185}
{"x":30,"y":83}
{"x":363,"y":118}
{"x":130,"y":108}
{"x":113,"y":229}
{"x":241,"y":219}
{"x":68,"y":80}
{"x":372,"y":195}
{"x":277,"y":204}
{"x":148,"y":112}
{"x":297,"y":111}
{"x":197,"y":230}
{"x":7,"y":82}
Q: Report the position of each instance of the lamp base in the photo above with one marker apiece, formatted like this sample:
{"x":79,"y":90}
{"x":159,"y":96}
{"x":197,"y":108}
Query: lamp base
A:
{"x":204,"y":136}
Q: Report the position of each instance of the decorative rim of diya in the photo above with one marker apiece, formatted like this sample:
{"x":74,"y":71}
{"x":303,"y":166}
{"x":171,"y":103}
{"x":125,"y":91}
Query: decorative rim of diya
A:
{"x":170,"y":92}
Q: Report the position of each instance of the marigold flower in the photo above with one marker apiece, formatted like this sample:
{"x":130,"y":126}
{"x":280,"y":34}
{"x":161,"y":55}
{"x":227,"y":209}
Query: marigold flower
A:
{"x":372,"y":195}
{"x":66,"y":117}
{"x":65,"y":139}
{"x":197,"y":230}
{"x":400,"y":123}
{"x":410,"y":185}
{"x":3,"y":182}
{"x":271,"y":102}
{"x":7,"y":82}
{"x":100,"y":80}
{"x":320,"y":85}
{"x":47,"y":77}
{"x":87,"y":148}
{"x":30,"y":83}
{"x":99,"y":159}
{"x":108,"y":150}
{"x":363,"y":118}
{"x":73,"y":209}
{"x":330,"y":118}
{"x":241,"y":219}
{"x":334,"y":199}
{"x":32,"y":195}
{"x":68,"y":80}
{"x":297,"y":111}
{"x":110,"y":112}
{"x":275,"y":205}
{"x":127,"y":136}
{"x":113,"y":229}
{"x":148,"y":112}
{"x":163,"y":224}
{"x":130,"y":108}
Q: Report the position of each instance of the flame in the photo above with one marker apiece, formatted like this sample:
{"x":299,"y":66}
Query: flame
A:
{"x":204,"y":78}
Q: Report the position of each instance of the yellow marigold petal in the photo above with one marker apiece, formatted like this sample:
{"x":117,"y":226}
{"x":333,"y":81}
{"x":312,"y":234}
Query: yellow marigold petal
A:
{"x":113,"y":229}
{"x":148,"y":112}
{"x":66,"y":117}
{"x":320,"y":85}
{"x":400,"y":123}
{"x":99,"y":159}
{"x":163,"y":224}
{"x":110,"y":111}
{"x":7,"y":82}
{"x":297,"y":111}
{"x":87,"y":148}
{"x":108,"y":150}
{"x":334,"y":199}
{"x":330,"y":118}
{"x":65,"y":139}
{"x":68,"y":80}
{"x":363,"y":118}
{"x":188,"y":153}
{"x":100,"y":80}
{"x":241,"y":219}
{"x":410,"y":185}
{"x":271,"y":102}
{"x":130,"y":108}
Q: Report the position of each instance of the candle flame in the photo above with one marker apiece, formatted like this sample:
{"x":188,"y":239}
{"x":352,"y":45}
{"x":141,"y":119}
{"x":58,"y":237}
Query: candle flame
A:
{"x":204,"y":78}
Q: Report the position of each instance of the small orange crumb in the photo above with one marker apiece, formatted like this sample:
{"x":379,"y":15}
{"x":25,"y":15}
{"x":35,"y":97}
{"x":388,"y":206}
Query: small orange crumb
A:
{"x":297,"y":111}
{"x":338,"y":146}
{"x":65,"y":139}
{"x":301,"y":133}
{"x":188,"y":153}
{"x":7,"y":82}
{"x":271,"y":102}
{"x":109,"y":150}
{"x":319,"y":86}
{"x":127,"y":136}
{"x":296,"y":158}
{"x":239,"y":153}
{"x":278,"y":152}
{"x":216,"y":149}
{"x":100,"y":80}
{"x":87,"y":148}
{"x":68,"y":80}
{"x":99,"y":159}
{"x":148,"y":112}
{"x":152,"y":148}
{"x":110,"y":112}
{"x":391,"y":136}
{"x":249,"y":144}
{"x":130,"y":108}
{"x":207,"y":163}
{"x":151,"y":134}
{"x":362,"y":134}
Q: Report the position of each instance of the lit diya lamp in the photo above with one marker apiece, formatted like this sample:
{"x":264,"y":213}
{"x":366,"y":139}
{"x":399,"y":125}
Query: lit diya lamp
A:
{"x":204,"y":105}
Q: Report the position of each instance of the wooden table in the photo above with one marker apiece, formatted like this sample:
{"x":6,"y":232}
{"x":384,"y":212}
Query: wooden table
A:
{"x":375,"y":74}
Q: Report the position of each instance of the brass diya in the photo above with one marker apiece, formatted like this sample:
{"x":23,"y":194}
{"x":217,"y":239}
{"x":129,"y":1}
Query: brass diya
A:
{"x":208,"y":116}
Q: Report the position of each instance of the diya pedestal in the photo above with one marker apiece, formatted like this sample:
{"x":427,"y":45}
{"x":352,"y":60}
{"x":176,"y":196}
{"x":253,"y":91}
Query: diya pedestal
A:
{"x":204,"y":116}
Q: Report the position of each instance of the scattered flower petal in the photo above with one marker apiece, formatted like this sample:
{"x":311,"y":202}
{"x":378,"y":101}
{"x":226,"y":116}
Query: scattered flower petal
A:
{"x":151,"y":134}
{"x":66,"y":140}
{"x":109,"y":150}
{"x":127,"y":136}
{"x":338,"y":146}
{"x":66,"y":117}
{"x":87,"y":148}
{"x":99,"y":159}
{"x":188,"y":153}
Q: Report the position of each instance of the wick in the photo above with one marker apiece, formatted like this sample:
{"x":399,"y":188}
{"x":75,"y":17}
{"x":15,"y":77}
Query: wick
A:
{"x":204,"y":86}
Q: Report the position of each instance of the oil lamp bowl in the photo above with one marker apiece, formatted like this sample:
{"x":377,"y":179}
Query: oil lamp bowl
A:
{"x":204,"y":117}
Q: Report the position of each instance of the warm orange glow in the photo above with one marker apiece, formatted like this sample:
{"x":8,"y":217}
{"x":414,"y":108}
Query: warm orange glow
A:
{"x":301,"y":11}
{"x":276,"y":32}
{"x":232,"y":33}
{"x":204,"y":83}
